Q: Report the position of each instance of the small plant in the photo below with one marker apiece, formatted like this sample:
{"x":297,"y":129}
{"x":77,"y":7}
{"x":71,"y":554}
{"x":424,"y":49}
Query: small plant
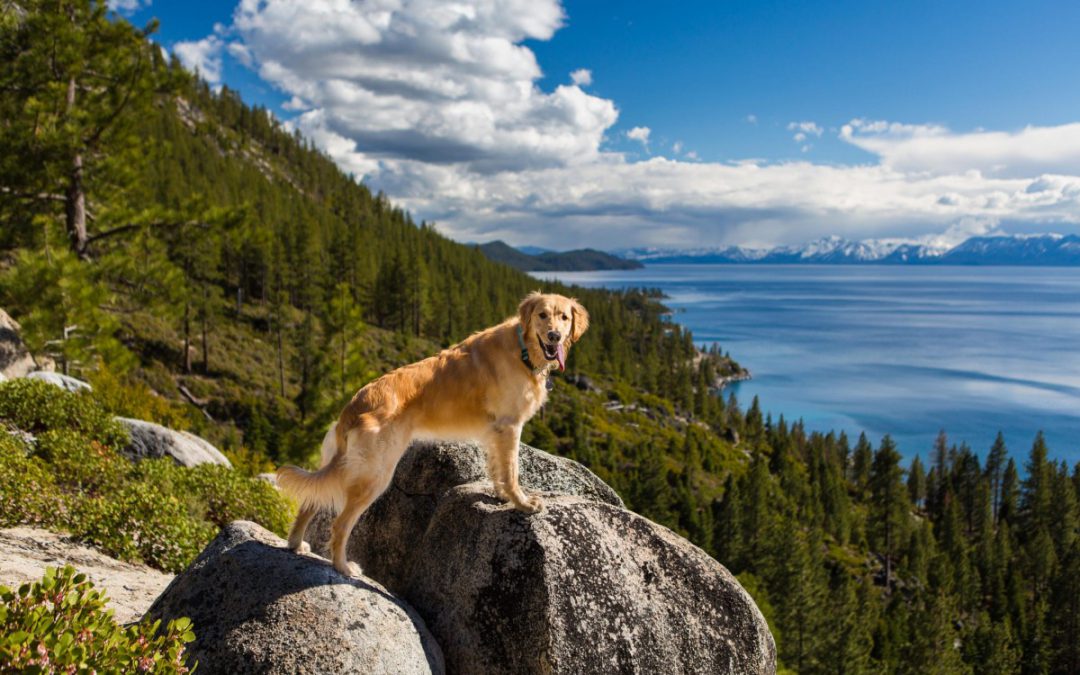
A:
{"x":60,"y":625}
{"x":35,"y":406}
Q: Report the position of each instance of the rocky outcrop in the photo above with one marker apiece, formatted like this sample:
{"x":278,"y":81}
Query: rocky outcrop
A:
{"x":259,"y":608}
{"x":25,"y":552}
{"x":583,"y":586}
{"x":153,"y":440}
{"x":15,"y":360}
{"x":67,"y":382}
{"x":383,"y":538}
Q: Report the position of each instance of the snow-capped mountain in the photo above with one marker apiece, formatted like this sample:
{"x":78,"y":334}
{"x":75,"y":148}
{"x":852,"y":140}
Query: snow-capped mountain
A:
{"x":1042,"y":249}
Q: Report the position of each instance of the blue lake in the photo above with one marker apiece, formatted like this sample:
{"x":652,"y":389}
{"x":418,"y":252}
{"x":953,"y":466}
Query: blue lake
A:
{"x":901,"y":350}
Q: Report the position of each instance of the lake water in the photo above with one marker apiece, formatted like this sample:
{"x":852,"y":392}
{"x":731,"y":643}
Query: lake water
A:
{"x":902,"y":350}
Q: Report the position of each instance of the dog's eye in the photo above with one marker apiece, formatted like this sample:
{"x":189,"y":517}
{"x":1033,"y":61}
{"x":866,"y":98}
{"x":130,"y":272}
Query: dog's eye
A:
{"x":543,"y":315}
{"x":563,"y":317}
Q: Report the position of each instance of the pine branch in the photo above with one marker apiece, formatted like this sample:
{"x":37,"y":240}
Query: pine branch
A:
{"x":120,"y":229}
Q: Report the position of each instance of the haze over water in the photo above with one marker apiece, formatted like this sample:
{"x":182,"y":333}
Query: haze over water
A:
{"x":903,"y":350}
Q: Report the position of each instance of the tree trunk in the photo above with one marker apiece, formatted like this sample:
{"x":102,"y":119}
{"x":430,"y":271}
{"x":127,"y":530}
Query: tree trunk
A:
{"x":75,"y":195}
{"x":187,"y":336}
{"x":205,"y":343}
{"x":280,"y":356}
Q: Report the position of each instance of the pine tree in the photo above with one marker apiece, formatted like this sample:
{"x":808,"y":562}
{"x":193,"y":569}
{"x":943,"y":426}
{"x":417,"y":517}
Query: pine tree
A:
{"x":995,"y":467}
{"x":889,"y":506}
{"x":916,"y":482}
{"x":74,"y":83}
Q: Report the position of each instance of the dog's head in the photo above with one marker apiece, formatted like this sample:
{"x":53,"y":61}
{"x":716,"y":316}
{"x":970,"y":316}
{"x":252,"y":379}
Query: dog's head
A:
{"x":554,"y":322}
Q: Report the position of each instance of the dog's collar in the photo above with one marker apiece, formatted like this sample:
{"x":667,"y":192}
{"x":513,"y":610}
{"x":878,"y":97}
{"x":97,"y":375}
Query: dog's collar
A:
{"x":525,"y":353}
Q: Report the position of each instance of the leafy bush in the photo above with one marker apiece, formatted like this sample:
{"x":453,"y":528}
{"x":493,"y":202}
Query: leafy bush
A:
{"x":81,"y":465}
{"x":139,"y":522}
{"x":60,"y":625}
{"x":128,"y":397}
{"x":28,"y":493}
{"x":35,"y":406}
{"x":70,"y":477}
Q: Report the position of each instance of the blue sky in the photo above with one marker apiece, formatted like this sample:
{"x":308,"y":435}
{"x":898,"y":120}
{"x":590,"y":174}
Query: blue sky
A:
{"x":679,"y":124}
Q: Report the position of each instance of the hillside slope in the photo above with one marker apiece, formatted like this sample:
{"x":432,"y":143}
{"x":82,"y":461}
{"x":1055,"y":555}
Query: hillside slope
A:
{"x":580,"y":260}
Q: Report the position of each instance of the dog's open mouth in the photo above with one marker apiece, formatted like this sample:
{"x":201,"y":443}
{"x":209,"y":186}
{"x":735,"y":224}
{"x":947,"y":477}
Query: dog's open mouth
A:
{"x":553,"y":352}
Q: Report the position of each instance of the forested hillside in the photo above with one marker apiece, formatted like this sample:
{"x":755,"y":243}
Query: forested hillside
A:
{"x":175,"y":245}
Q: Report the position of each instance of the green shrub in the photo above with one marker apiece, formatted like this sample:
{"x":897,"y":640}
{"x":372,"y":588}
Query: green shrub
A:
{"x":227,"y":495}
{"x":85,"y":466}
{"x":142,"y":522}
{"x":36,"y":406}
{"x":72,"y":478}
{"x":128,"y":397}
{"x":28,"y":493}
{"x":60,"y":625}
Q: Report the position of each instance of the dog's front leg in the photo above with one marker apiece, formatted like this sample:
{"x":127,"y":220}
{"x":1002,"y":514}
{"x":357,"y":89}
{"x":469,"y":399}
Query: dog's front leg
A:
{"x":502,"y":452}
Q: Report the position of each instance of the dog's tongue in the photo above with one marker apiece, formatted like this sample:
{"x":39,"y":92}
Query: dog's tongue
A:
{"x":560,"y":354}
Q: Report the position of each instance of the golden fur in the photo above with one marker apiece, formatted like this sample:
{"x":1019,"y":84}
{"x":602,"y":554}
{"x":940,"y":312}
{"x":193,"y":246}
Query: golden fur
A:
{"x":479,"y":389}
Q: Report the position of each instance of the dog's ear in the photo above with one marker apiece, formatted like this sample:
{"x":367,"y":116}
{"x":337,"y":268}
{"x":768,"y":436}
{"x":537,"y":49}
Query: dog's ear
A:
{"x":525,"y":309}
{"x":579,"y":320}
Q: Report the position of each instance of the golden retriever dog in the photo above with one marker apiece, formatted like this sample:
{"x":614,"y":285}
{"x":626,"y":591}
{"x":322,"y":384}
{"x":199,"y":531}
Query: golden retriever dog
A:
{"x":483,"y":389}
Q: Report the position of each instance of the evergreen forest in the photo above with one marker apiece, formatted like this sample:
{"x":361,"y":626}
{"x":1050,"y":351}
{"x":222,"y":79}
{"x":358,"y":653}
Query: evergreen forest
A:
{"x":206,"y":267}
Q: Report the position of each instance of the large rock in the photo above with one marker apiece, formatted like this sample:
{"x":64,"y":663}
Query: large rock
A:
{"x":153,"y":440}
{"x":584,"y":586}
{"x":260,"y":608}
{"x":67,"y":382}
{"x":15,"y":360}
{"x":383,"y":538}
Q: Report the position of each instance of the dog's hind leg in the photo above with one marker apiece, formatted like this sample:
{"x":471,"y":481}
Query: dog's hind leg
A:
{"x":375,"y":453}
{"x":502,"y":449}
{"x":296,"y":534}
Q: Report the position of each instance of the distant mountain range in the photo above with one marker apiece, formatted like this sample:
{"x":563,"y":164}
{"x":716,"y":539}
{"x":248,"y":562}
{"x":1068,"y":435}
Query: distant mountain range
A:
{"x":1042,"y":249}
{"x":581,"y":260}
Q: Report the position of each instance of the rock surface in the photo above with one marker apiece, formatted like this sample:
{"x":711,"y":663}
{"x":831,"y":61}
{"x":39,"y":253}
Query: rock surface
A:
{"x":259,"y":608}
{"x":153,"y":440}
{"x":383,"y":538}
{"x":67,"y":382}
{"x":15,"y":360}
{"x":25,"y":552}
{"x":582,"y":587}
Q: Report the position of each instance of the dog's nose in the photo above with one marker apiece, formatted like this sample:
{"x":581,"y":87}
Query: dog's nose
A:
{"x":554,"y":336}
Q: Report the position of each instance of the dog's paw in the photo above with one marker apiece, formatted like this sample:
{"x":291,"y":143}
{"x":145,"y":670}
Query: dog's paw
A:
{"x":349,"y":569}
{"x":532,"y":504}
{"x":303,"y":549}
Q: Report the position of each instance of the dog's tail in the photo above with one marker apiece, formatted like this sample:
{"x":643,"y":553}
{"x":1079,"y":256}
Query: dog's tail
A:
{"x":320,"y":488}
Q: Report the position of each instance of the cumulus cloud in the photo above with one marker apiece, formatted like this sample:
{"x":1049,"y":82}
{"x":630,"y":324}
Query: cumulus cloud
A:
{"x":582,"y":77}
{"x":641,"y":135}
{"x":127,"y":6}
{"x":1029,"y":151}
{"x":202,"y":57}
{"x":439,"y":105}
{"x":803,"y":130}
{"x":427,"y":80}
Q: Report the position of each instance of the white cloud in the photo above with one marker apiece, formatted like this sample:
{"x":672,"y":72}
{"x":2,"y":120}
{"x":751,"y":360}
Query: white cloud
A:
{"x":127,"y":6}
{"x":428,"y":80}
{"x":641,"y":135}
{"x":803,"y":130}
{"x":241,"y":53}
{"x":581,"y":77}
{"x":1029,"y":151}
{"x":202,"y":57}
{"x":677,"y":147}
{"x":439,"y":105}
